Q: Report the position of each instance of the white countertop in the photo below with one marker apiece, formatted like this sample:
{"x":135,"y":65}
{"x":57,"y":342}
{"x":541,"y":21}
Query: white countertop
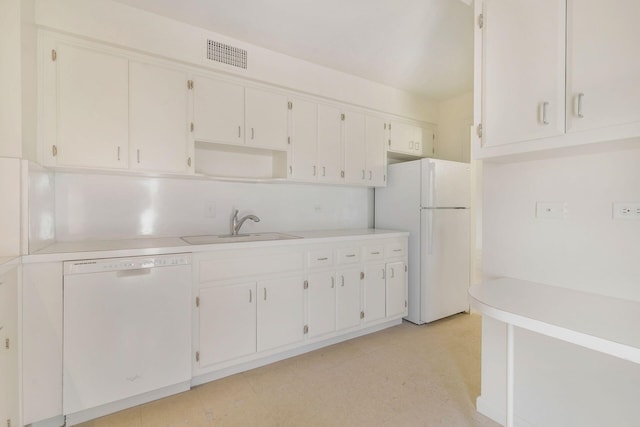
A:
{"x":598,"y":322}
{"x":62,"y":251}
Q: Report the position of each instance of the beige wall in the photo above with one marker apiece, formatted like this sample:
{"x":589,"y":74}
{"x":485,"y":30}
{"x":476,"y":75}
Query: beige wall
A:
{"x":10,"y":82}
{"x":455,"y":116}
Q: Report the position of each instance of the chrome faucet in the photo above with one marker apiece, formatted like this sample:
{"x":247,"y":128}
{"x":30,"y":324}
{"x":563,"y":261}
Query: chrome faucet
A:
{"x":237,"y":223}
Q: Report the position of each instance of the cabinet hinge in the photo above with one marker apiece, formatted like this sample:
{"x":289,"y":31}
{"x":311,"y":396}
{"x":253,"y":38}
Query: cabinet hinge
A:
{"x":54,"y":55}
{"x":342,"y":117}
{"x":384,"y":177}
{"x":197,"y":301}
{"x":290,"y":105}
{"x":189,"y":161}
{"x":405,"y":303}
{"x":306,"y":285}
{"x":405,"y":268}
{"x":7,"y":344}
{"x":189,"y":84}
{"x":191,"y":126}
{"x":385,"y":126}
{"x":8,"y":422}
{"x":362,"y":314}
{"x":361,"y":275}
{"x":389,"y":126}
{"x":54,"y":150}
{"x":479,"y":131}
{"x":481,"y":21}
{"x":197,"y":356}
{"x":389,"y":143}
{"x":305,"y":330}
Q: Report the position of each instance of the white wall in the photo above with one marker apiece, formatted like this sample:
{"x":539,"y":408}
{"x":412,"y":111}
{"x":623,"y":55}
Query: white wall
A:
{"x":116,"y":207}
{"x":455,"y":116}
{"x":10,"y":86}
{"x":122,"y":25}
{"x":559,"y":384}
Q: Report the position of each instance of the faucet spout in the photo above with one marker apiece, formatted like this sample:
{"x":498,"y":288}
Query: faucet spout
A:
{"x":236,"y":223}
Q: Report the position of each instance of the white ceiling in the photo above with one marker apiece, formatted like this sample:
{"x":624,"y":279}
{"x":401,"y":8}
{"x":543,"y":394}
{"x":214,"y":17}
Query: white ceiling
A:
{"x":423,"y":46}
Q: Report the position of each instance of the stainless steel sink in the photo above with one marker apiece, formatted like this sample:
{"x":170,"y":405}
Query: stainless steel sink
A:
{"x":229,"y":238}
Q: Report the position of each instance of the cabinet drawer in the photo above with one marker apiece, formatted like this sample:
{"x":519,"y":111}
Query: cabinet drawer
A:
{"x":321,"y":258}
{"x":348,"y":255}
{"x":374,"y":252}
{"x":395,"y":249}
{"x":221,"y":267}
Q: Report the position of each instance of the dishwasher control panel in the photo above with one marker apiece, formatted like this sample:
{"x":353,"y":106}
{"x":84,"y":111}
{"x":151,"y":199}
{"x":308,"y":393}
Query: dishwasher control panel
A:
{"x":119,"y":264}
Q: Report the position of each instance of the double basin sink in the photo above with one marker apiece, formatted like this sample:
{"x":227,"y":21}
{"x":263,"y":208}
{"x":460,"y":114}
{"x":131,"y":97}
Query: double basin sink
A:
{"x":230,"y":238}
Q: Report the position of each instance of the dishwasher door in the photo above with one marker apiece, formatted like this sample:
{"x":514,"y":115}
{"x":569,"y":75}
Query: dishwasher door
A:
{"x":127,"y":328}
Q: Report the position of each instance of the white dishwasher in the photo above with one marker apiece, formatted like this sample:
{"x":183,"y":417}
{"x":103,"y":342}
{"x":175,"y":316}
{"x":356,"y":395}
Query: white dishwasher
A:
{"x":127,"y":331}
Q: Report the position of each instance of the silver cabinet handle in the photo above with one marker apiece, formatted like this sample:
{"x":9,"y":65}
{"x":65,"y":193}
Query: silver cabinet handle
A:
{"x":370,"y":175}
{"x":543,"y":113}
{"x":578,"y":105}
{"x":397,"y":250}
{"x":342,"y":281}
{"x":393,"y":273}
{"x":333,"y":282}
{"x":324,"y":171}
{"x":323,"y":259}
{"x":290,"y":170}
{"x":384,"y":274}
{"x":265,"y":294}
{"x":314,"y":170}
{"x":239,"y":132}
{"x":363,"y":173}
{"x":250,"y":295}
{"x":138,"y":155}
{"x":252,"y":133}
{"x":350,"y":255}
{"x":118,"y":153}
{"x":375,"y":253}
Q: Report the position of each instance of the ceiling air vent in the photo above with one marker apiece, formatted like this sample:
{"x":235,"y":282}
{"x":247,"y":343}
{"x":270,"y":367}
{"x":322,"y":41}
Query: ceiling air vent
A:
{"x":226,"y":54}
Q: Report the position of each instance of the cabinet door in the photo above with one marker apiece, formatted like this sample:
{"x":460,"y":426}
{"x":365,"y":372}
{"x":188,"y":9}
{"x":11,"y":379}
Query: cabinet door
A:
{"x":375,"y":151}
{"x":92,"y":117}
{"x":322,"y":303}
{"x":227,"y":322}
{"x":330,"y":152}
{"x":9,"y":407}
{"x":602,"y":68}
{"x":374,"y":292}
{"x":396,"y":289}
{"x":280,"y":312}
{"x":523,"y":70}
{"x":304,"y":139}
{"x":405,"y":138}
{"x":348,"y":298}
{"x":218,"y":110}
{"x":355,"y":167}
{"x":159,"y":123}
{"x":266,"y":119}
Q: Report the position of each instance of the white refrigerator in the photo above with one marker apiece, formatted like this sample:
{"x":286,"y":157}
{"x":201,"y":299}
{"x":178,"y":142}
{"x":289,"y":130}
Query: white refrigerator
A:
{"x":430,"y":199}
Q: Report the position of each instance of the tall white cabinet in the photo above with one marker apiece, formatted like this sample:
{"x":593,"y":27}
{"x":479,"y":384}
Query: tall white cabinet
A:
{"x":9,"y":367}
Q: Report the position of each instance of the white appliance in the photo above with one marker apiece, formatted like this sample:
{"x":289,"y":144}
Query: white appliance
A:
{"x":127,"y":331}
{"x":430,"y":199}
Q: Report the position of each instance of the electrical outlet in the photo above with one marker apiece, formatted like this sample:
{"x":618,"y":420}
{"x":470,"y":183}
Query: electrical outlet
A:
{"x":210,"y":209}
{"x":624,"y":210}
{"x":552,"y":210}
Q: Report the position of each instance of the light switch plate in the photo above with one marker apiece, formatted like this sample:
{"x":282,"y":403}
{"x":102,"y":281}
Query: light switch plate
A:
{"x":551,"y":210}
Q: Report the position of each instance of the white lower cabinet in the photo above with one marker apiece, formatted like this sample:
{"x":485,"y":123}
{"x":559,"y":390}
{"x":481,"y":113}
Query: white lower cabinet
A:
{"x":219,"y":308}
{"x":374,"y":292}
{"x":9,"y":392}
{"x":396,"y":292}
{"x":348,"y":306}
{"x":322,"y":303}
{"x":280,"y":312}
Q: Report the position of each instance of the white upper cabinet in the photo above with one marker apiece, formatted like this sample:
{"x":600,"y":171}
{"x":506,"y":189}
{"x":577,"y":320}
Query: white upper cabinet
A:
{"x":159,"y":125}
{"x":330,"y":150}
{"x":218,"y":110}
{"x":304,"y":140}
{"x":85,"y":108}
{"x":266,"y":119}
{"x":523,"y":70}
{"x":405,"y":138}
{"x":603,"y":64}
{"x":376,"y":153}
{"x":556,"y":73}
{"x":355,"y":147}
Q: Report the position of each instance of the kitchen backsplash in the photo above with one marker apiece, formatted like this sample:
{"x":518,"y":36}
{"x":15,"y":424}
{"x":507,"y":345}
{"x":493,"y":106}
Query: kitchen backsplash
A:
{"x":93,"y":206}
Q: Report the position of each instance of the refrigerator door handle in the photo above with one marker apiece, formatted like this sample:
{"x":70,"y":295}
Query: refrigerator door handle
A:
{"x":429,"y":232}
{"x":432,"y":184}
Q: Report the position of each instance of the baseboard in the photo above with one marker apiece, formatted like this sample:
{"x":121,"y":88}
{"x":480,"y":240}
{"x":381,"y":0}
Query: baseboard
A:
{"x":497,"y":413}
